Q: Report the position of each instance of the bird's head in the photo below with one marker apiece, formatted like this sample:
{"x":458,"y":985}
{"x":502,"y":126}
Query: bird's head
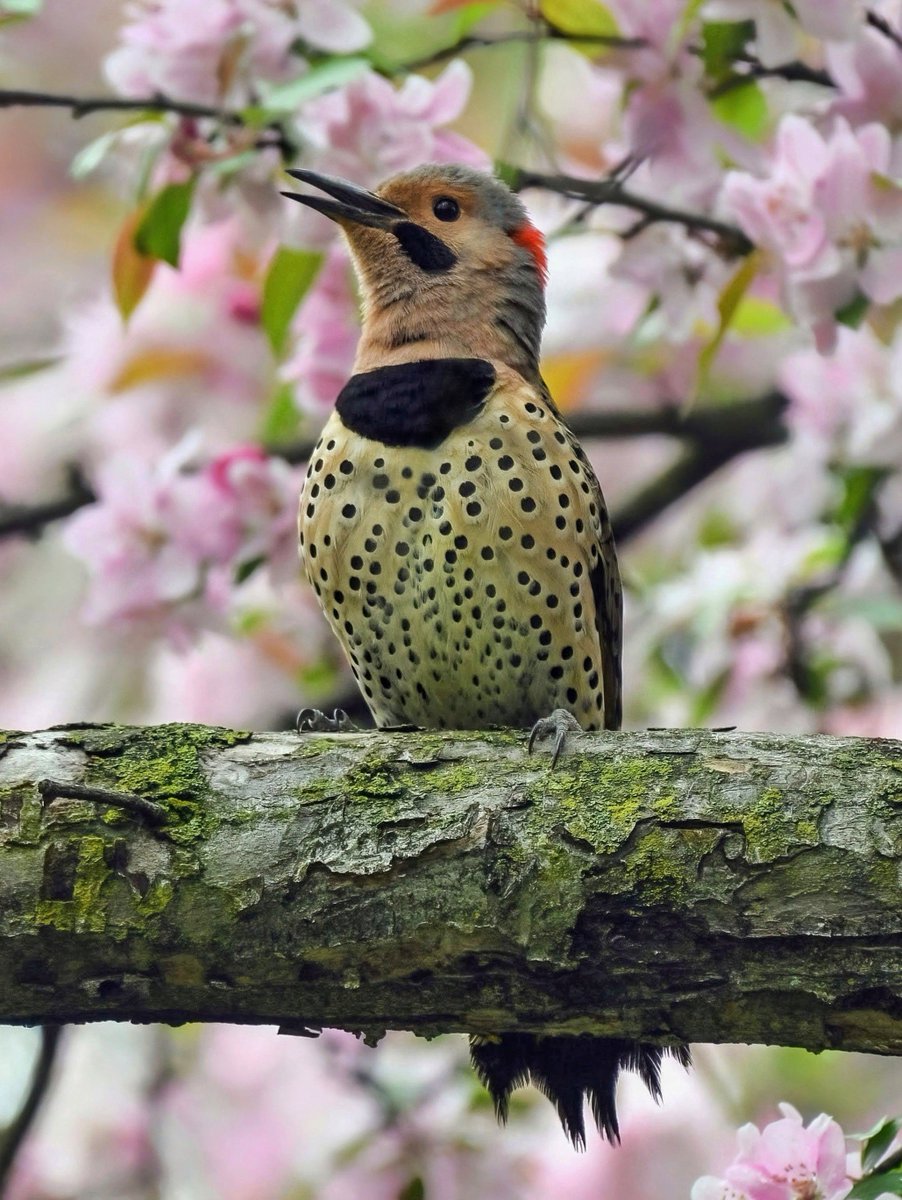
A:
{"x":448,"y":259}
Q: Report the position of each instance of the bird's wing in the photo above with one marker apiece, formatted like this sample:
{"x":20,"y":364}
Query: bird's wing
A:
{"x":607,"y":589}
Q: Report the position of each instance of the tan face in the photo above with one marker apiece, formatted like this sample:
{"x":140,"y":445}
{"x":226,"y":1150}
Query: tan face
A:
{"x":451,"y":212}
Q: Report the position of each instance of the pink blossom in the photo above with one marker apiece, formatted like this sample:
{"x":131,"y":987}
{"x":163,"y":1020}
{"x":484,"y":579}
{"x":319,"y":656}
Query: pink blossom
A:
{"x":370,"y":129}
{"x":777,"y":31}
{"x":214,"y":51}
{"x":868,"y":72}
{"x":191,"y":356}
{"x":829,"y":215}
{"x":327,"y":330}
{"x":680,"y":272}
{"x":852,"y":401}
{"x":785,"y":1161}
{"x":163,"y":543}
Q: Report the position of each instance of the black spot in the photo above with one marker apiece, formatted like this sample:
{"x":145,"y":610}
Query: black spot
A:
{"x":415,"y":514}
{"x":556,"y":672}
{"x":555,"y":471}
{"x":527,"y":541}
{"x":392,"y":496}
{"x":563,"y":500}
{"x":474,"y":508}
{"x":473,"y":463}
{"x":402,"y":548}
{"x":467,"y":488}
{"x":329,"y":480}
{"x":461,"y":542}
{"x":354,"y":583}
{"x":515,"y":484}
{"x":423,"y":248}
{"x":572,"y":696}
{"x":505,"y":533}
{"x":349,"y":510}
{"x":534,"y":436}
{"x":495,"y":443}
{"x":505,"y":462}
{"x":535,"y":621}
{"x":346,"y":467}
{"x":528,"y":504}
{"x":487,"y":553}
{"x":370,"y":544}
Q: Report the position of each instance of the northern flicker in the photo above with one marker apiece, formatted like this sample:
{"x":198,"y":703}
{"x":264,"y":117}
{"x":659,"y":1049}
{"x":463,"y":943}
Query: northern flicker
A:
{"x":453,"y":529}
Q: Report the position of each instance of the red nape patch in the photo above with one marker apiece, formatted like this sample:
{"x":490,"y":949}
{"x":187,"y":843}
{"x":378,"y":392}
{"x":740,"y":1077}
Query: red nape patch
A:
{"x":532,"y":240}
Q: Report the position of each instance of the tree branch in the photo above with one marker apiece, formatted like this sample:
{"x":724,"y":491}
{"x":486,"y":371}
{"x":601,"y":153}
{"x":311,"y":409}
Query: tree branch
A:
{"x":731,"y":239}
{"x":720,"y":435}
{"x":83,"y":106}
{"x":13,"y":1137}
{"x":665,"y":884}
{"x":744,"y":425}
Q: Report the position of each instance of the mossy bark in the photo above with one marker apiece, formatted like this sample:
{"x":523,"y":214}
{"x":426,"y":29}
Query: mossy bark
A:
{"x":673,"y":884}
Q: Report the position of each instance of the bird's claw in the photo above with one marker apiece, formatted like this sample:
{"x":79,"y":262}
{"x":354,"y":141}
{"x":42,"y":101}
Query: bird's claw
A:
{"x":313,"y":720}
{"x":559,"y":724}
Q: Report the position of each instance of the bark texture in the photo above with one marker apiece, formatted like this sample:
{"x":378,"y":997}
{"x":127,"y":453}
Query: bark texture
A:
{"x":666,"y":884}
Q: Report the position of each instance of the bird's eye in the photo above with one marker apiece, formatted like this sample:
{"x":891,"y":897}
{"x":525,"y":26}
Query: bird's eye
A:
{"x":446,"y":209}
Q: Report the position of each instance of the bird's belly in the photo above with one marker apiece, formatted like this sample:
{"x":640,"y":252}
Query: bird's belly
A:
{"x":456,"y":608}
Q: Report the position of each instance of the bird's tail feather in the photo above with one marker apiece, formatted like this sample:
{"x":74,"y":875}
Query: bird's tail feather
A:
{"x":568,"y":1070}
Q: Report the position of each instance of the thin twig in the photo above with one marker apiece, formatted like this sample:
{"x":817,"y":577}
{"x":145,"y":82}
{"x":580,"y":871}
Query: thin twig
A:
{"x":52,"y":789}
{"x":475,"y":42}
{"x":883,"y":26}
{"x":30,"y":519}
{"x":83,"y":106}
{"x":611,"y":191}
{"x":794,"y":72}
{"x":15,"y":1133}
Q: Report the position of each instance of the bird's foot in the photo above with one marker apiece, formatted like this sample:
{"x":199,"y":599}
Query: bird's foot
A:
{"x":558,"y":725}
{"x":312,"y":720}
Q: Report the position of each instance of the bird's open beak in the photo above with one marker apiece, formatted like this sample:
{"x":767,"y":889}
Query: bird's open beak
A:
{"x":349,"y":202}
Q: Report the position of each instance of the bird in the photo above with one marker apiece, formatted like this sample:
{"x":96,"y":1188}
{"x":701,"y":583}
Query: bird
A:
{"x":453,"y":528}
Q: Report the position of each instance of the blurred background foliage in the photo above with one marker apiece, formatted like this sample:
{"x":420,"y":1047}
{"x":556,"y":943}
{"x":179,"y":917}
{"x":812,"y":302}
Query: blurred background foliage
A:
{"x":719,"y":185}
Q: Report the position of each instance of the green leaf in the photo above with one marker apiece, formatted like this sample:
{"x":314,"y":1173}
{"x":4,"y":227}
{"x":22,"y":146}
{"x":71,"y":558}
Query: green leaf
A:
{"x":91,"y":156}
{"x":727,"y":305}
{"x":755,"y":317}
{"x":743,"y":108}
{"x":245,"y":570}
{"x":853,"y":313}
{"x":24,"y":8}
{"x":877,"y":1185}
{"x":883,"y":613}
{"x":333,"y":73}
{"x":877,"y":1141}
{"x":505,"y":171}
{"x":159,"y":233}
{"x":290,"y":274}
{"x":858,"y":485}
{"x":132,"y":271}
{"x":280,"y":422}
{"x":468,"y":15}
{"x":722,"y":43}
{"x":21,"y":370}
{"x":575,"y":17}
{"x":415,"y":1190}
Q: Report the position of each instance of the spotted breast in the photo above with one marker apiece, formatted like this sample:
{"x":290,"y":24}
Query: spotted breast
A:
{"x":467,"y":581}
